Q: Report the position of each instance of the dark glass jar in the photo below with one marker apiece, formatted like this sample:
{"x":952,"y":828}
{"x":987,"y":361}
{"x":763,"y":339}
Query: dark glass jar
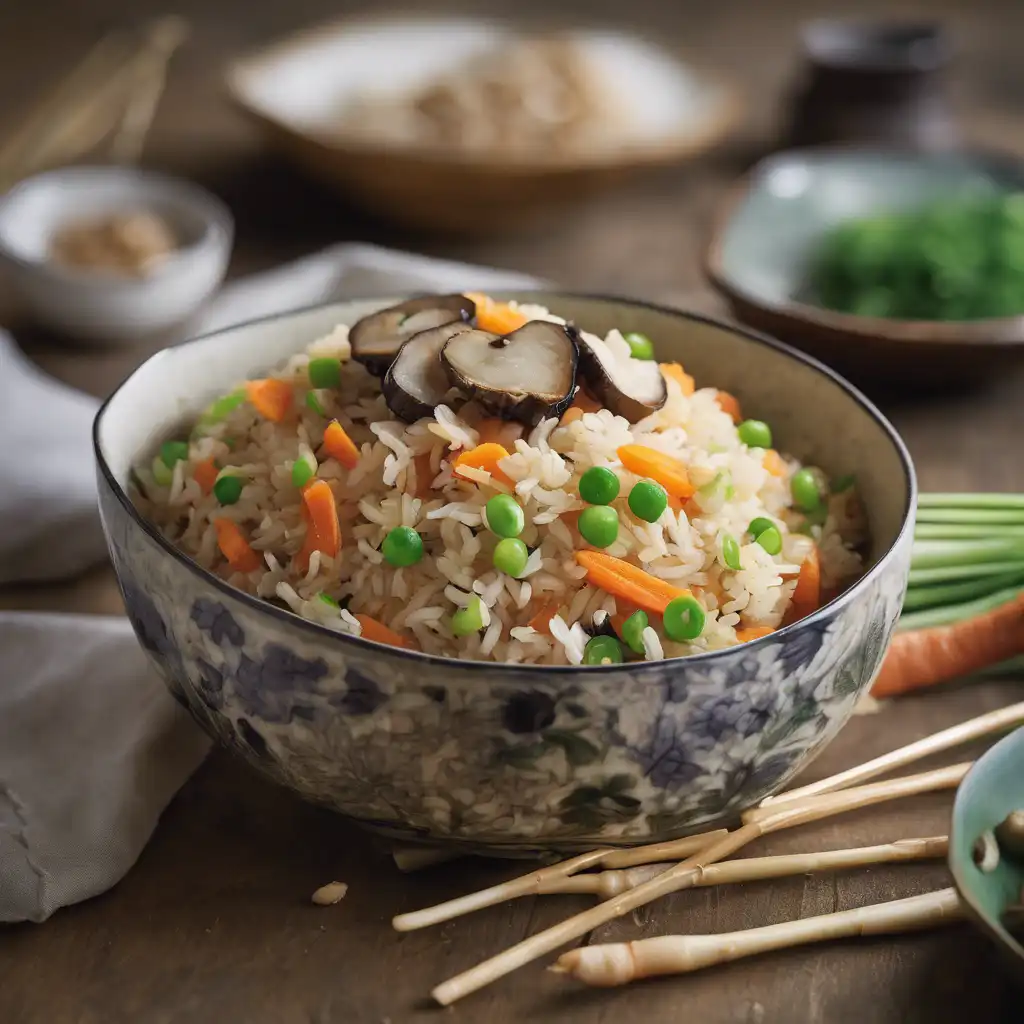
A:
{"x":874,"y":82}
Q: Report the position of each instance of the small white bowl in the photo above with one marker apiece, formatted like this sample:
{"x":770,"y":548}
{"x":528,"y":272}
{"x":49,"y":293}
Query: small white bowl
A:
{"x":101,"y":306}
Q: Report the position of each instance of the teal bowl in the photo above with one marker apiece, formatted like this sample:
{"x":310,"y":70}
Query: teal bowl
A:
{"x":992,"y":789}
{"x":766,"y":236}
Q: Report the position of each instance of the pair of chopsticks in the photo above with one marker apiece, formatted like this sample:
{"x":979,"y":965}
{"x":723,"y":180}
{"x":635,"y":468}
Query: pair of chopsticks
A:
{"x":111,"y":94}
{"x":631,"y":878}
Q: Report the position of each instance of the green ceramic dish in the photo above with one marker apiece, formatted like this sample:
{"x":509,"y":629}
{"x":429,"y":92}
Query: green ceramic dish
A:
{"x":764,"y":240}
{"x":992,"y":789}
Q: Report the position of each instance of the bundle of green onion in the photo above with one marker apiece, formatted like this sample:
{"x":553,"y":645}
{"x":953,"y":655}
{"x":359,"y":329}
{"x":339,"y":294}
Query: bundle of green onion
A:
{"x":968,"y":557}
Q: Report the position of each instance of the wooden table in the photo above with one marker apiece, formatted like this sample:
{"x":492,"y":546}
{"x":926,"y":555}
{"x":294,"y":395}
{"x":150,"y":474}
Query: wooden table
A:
{"x":215,"y":924}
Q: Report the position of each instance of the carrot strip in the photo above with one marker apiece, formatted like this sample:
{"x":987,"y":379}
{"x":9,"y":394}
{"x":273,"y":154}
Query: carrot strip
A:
{"x":309,"y":544}
{"x":807,"y":595}
{"x":773,"y":463}
{"x":323,"y":517}
{"x":424,"y":475}
{"x":374,"y":630}
{"x":234,"y":547}
{"x":662,"y":468}
{"x":628,"y":581}
{"x":496,"y":317}
{"x":571,"y":415}
{"x":340,"y":446}
{"x":272,"y":398}
{"x":753,"y":633}
{"x":205,"y":474}
{"x":730,"y":404}
{"x":483,"y":456}
{"x":674,"y":371}
{"x":540,"y":620}
{"x":925,"y":657}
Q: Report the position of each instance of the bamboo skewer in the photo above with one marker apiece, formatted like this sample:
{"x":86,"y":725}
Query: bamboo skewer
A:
{"x":975,"y":728}
{"x":529,"y":884}
{"x":908,"y":785}
{"x":606,"y":884}
{"x":681,"y":876}
{"x":618,"y":963}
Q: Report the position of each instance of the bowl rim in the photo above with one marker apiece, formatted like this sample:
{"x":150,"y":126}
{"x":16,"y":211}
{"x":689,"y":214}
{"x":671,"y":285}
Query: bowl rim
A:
{"x":991,"y":332}
{"x":288,"y":617}
{"x":721,"y":118}
{"x":217,"y":231}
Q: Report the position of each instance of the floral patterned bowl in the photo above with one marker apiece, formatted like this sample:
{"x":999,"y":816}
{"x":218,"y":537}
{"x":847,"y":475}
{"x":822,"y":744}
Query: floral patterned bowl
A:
{"x":500,"y":757}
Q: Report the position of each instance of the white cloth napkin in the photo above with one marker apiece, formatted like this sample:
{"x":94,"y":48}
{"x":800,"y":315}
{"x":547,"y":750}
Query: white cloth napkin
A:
{"x":92,"y":747}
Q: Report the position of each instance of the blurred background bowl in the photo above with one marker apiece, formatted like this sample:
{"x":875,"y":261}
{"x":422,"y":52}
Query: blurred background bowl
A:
{"x":765,"y":239}
{"x":298,"y":89}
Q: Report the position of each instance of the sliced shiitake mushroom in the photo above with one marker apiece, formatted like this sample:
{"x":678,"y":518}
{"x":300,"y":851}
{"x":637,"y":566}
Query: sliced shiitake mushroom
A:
{"x":632,"y":388}
{"x":416,"y":381}
{"x":526,"y":375}
{"x":376,"y":339}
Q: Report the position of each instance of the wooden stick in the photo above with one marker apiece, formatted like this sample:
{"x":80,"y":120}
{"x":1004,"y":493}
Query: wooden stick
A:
{"x":975,"y":728}
{"x":672,"y":849}
{"x":526,"y":885}
{"x":908,"y":785}
{"x":618,"y":963}
{"x":682,"y":876}
{"x":606,"y":884}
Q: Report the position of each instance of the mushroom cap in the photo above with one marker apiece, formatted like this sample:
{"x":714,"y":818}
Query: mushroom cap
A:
{"x":416,"y":382}
{"x":631,"y":388}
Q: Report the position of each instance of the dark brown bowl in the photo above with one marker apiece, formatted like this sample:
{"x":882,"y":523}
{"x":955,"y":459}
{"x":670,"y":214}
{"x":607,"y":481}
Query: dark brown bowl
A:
{"x":770,"y":224}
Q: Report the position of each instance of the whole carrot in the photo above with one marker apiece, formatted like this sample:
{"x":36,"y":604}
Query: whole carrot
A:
{"x":920,"y":658}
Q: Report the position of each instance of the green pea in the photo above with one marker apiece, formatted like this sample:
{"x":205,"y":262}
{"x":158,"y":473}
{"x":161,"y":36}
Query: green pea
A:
{"x":806,"y":490}
{"x":684,"y":618}
{"x":511,"y":556}
{"x":755,"y":434}
{"x":303,"y":469}
{"x":770,"y":540}
{"x":228,"y":489}
{"x":647,"y":500}
{"x":162,"y":473}
{"x":758,"y":526}
{"x":313,"y":402}
{"x":731,"y":552}
{"x":843,"y":483}
{"x":220,"y":407}
{"x":470,"y":619}
{"x":602,"y":650}
{"x":328,"y":600}
{"x":640,"y":346}
{"x":599,"y":525}
{"x":505,"y":516}
{"x":402,"y":546}
{"x":324,"y":372}
{"x":633,"y":631}
{"x":172,"y":452}
{"x":599,"y":486}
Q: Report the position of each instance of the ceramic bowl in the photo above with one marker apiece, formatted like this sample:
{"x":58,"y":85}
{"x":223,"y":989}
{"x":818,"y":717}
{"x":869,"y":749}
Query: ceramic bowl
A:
{"x":102,"y":307}
{"x":503,"y":757}
{"x":992,"y":789}
{"x":296,"y":90}
{"x":770,"y":227}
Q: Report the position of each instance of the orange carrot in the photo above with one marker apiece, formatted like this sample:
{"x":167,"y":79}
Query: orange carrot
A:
{"x":374,"y":630}
{"x":272,"y":398}
{"x":773,"y":463}
{"x":675,"y":372}
{"x":309,"y":545}
{"x":323,"y":516}
{"x":571,"y":415}
{"x":753,"y":633}
{"x":205,"y":475}
{"x":483,"y":456}
{"x":662,"y":468}
{"x":340,"y":446}
{"x":498,"y":431}
{"x":920,"y":658}
{"x":622,"y":579}
{"x":728,"y":403}
{"x":807,"y":595}
{"x":541,"y":618}
{"x":496,"y":317}
{"x":234,"y":547}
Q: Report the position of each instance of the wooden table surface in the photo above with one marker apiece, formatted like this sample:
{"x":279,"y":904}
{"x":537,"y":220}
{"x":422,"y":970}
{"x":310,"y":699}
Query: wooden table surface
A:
{"x":214,"y":924}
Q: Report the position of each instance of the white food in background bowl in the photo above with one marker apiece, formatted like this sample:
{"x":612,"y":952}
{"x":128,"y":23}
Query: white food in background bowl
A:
{"x":97,"y":305}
